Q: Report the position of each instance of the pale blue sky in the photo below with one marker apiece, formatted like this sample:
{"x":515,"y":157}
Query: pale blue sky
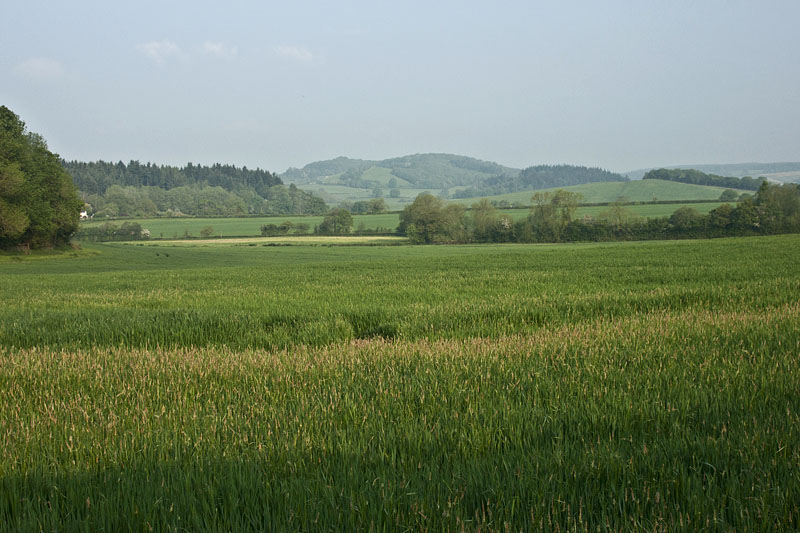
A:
{"x":621,"y":85}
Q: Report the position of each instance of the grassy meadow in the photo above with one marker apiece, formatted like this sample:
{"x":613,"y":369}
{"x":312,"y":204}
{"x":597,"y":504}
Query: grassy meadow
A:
{"x":634,"y":191}
{"x":621,"y":386}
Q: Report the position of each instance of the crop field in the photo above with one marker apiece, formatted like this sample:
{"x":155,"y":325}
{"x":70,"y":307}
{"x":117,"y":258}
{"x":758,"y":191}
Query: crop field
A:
{"x":613,"y":386}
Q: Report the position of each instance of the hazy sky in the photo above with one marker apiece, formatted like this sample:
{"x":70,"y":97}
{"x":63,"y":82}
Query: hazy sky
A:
{"x":621,"y":85}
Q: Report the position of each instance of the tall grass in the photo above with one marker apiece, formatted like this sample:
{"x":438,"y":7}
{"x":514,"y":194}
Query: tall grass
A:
{"x":624,"y":386}
{"x":275,"y":298}
{"x":664,"y":422}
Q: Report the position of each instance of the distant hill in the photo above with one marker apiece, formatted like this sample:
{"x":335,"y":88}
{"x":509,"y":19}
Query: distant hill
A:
{"x":540,"y":177}
{"x":420,"y":171}
{"x":401,"y":179}
{"x":697,"y":177}
{"x":634,"y":191}
{"x":780,"y":172}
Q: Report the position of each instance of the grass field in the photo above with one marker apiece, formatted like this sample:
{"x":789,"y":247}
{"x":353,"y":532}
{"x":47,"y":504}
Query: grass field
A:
{"x":634,"y":191}
{"x":176,"y":228}
{"x":622,"y":386}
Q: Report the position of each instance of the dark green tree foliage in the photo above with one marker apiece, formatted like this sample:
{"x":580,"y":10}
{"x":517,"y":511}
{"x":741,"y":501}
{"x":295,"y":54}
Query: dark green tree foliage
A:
{"x":337,"y":222}
{"x":539,"y":177}
{"x":375,"y":206}
{"x":116,"y":189}
{"x":97,"y":177}
{"x":695,"y":177}
{"x":428,"y":220}
{"x":39,"y":206}
{"x":128,"y":231}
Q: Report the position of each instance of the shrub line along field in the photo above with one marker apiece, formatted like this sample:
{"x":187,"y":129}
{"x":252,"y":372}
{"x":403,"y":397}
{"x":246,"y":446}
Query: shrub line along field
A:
{"x":176,"y":228}
{"x":621,"y":386}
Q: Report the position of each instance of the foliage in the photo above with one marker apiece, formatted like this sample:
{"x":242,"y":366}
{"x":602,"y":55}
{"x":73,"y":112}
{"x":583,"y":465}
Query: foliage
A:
{"x":540,"y":177}
{"x":429,"y":220}
{"x":127,"y":231}
{"x":775,"y":209}
{"x":136,"y":190}
{"x":370,"y":207}
{"x":97,"y":177}
{"x":39,"y":206}
{"x":337,"y":222}
{"x":273,"y":230}
{"x":701,"y":178}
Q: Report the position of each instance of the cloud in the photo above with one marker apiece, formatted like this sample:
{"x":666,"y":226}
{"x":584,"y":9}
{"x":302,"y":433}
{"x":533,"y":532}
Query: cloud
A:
{"x":159,"y":51}
{"x":295,"y":53}
{"x":40,"y":69}
{"x":220,"y":49}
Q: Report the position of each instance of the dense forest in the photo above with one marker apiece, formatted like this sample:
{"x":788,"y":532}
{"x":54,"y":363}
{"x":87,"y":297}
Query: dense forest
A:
{"x":135,"y":189}
{"x":695,"y":177}
{"x":774,"y":209}
{"x":539,"y":177}
{"x":39,"y":205}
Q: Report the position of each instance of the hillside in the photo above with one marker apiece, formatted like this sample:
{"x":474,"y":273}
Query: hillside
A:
{"x":696,"y":177}
{"x":401,"y":179}
{"x":634,"y":191}
{"x":540,"y":177}
{"x":779,"y":172}
{"x":421,"y":171}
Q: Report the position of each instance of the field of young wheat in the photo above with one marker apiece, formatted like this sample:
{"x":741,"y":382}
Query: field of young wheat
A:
{"x":568,"y":387}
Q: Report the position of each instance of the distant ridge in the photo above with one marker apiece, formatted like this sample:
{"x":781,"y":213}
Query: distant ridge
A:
{"x":400,"y":179}
{"x":421,"y":171}
{"x":781,"y":172}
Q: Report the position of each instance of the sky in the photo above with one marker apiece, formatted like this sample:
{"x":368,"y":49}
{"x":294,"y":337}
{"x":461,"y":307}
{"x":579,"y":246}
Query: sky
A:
{"x":619,"y":85}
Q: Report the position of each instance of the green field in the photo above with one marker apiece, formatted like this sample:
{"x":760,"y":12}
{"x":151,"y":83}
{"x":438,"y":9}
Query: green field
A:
{"x":634,"y":191}
{"x":621,"y":386}
{"x":177,"y":228}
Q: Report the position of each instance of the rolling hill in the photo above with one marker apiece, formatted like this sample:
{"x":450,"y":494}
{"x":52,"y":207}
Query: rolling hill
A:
{"x":401,"y":179}
{"x":421,"y":171}
{"x":778,"y":172}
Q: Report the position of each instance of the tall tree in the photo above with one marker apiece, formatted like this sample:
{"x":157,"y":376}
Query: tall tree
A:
{"x":39,"y":206}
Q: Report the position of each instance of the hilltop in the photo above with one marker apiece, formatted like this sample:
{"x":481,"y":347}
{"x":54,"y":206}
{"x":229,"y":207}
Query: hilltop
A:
{"x":401,"y":179}
{"x":420,"y":171}
{"x":779,"y":172}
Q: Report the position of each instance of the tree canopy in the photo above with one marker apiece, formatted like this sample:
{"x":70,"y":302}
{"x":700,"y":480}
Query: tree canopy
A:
{"x":695,"y":177}
{"x":39,"y":206}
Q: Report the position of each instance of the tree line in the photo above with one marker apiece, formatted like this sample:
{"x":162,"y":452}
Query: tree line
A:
{"x":133,"y":190}
{"x":774,"y":209}
{"x":695,"y":177}
{"x":98,"y":176}
{"x":203,"y":200}
{"x":539,"y":177}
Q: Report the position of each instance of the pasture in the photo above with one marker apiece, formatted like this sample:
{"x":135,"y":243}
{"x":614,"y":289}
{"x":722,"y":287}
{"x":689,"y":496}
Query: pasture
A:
{"x":633,"y":191}
{"x":497,"y":387}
